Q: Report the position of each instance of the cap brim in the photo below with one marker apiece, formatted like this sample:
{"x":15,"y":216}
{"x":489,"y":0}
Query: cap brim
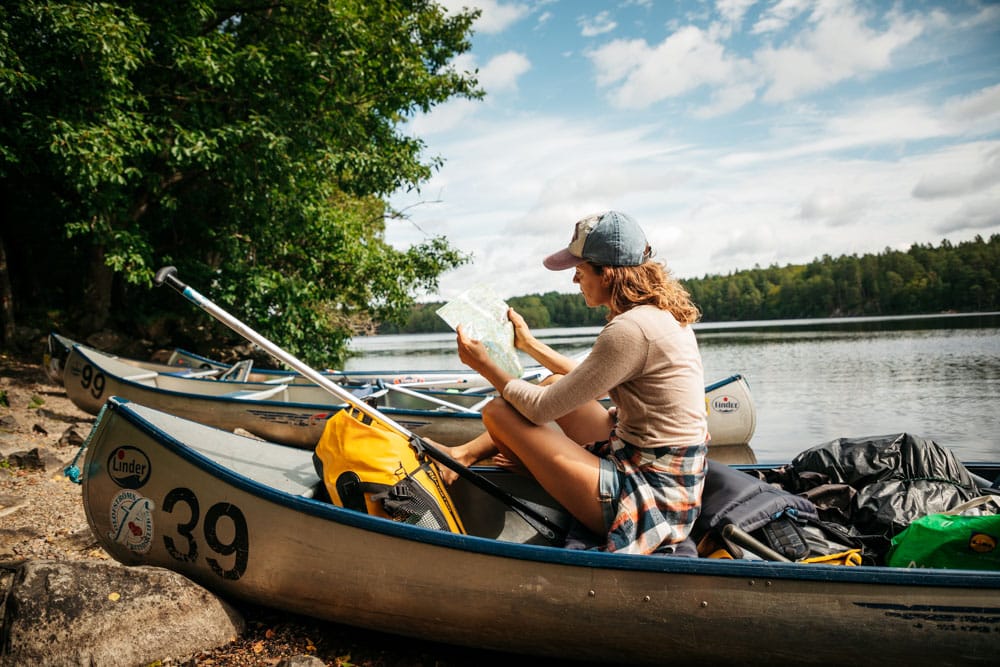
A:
{"x":564,"y":259}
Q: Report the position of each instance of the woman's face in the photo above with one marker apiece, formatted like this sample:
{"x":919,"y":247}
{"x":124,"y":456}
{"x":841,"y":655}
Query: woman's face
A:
{"x":595,"y":291}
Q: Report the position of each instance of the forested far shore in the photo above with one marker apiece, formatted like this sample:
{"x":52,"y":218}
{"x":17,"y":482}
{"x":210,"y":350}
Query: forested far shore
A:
{"x":963,"y":277}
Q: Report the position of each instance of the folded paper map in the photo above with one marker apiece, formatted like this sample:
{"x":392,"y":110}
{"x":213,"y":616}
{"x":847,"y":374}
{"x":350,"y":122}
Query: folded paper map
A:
{"x":483,"y":316}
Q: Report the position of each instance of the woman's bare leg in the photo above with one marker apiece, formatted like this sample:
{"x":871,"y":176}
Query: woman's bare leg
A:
{"x":588,"y":423}
{"x":591,"y":422}
{"x":570,"y":473}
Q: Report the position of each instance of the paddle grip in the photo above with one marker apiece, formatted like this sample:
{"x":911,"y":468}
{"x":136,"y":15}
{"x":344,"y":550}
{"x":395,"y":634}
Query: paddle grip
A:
{"x":168,"y":274}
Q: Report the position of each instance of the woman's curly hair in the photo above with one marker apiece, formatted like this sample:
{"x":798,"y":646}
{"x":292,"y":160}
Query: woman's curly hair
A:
{"x":649,"y":283}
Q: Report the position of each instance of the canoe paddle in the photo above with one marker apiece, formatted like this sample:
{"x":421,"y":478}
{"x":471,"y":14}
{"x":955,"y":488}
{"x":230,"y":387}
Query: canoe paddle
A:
{"x":528,"y":511}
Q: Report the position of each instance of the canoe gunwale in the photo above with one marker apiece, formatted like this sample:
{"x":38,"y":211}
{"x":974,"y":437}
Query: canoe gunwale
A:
{"x":557,"y":555}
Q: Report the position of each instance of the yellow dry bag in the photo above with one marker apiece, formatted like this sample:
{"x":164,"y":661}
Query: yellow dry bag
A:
{"x":368,"y":467}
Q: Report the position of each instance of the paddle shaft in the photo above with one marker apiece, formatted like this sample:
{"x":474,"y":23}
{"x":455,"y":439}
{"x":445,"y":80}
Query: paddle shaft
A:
{"x":168,"y":275}
{"x":538,"y":521}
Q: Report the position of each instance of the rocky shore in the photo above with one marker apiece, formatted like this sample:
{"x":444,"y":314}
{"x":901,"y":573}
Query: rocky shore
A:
{"x":47,"y":551}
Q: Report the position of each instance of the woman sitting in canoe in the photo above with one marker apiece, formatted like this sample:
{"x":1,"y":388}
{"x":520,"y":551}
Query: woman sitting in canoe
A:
{"x":632,"y":476}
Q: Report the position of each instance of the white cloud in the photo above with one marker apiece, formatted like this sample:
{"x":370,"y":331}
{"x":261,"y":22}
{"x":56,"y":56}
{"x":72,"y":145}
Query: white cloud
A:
{"x":498,"y":76}
{"x":879,"y":123}
{"x":887,"y":122}
{"x":732,"y":11}
{"x":834,"y":207}
{"x":642,"y":75}
{"x":962,"y":176}
{"x":979,"y":110}
{"x":726,"y":100}
{"x":981,"y":214}
{"x":778,"y":16}
{"x":501,"y":73}
{"x":617,"y":59}
{"x":496,"y":16}
{"x":839,"y":46}
{"x":591,"y":26}
{"x":443,"y":117}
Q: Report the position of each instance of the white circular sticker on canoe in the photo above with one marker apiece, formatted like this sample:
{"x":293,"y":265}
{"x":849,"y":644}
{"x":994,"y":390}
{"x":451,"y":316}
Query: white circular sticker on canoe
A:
{"x":132,"y":521}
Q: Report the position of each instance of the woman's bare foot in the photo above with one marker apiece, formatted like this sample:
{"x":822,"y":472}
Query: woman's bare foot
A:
{"x":510,"y":463}
{"x":460,"y":453}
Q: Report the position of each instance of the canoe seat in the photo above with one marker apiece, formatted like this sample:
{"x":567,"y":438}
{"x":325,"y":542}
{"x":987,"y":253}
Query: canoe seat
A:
{"x":368,"y":392}
{"x":190,"y":373}
{"x":141,"y":377}
{"x":249,"y":395}
{"x":238,"y":372}
{"x":317,"y":492}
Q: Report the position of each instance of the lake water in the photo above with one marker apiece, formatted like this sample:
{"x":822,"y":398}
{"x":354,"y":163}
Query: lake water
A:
{"x":814,"y":380}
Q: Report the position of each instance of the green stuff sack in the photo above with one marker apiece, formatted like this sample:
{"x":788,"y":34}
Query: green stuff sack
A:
{"x":948,"y":541}
{"x":370,"y":468}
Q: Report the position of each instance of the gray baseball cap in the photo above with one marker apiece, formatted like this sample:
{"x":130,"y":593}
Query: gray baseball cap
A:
{"x":607,"y":239}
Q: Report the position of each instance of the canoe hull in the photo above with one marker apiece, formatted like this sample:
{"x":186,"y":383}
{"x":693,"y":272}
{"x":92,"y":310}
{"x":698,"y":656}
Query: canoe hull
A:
{"x":152,"y":500}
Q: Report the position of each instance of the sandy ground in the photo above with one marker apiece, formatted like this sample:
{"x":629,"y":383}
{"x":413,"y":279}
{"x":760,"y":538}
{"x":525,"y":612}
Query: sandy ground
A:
{"x":42,"y":517}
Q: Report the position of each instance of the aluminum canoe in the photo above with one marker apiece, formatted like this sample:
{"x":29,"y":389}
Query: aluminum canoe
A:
{"x":288,"y":413}
{"x":58,"y":348}
{"x":295,"y":414}
{"x":240,"y":517}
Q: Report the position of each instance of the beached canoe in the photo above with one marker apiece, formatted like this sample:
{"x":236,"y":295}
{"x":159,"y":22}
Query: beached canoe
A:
{"x":58,"y":348}
{"x":295,"y":414}
{"x":283,"y":412}
{"x":242,"y":518}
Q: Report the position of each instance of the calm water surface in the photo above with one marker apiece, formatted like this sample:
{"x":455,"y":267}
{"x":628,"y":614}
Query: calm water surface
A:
{"x":814,"y":380}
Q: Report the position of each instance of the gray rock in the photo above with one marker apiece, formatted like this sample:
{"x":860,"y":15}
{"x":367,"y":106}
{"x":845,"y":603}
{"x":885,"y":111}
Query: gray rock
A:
{"x":86,"y":613}
{"x":71,"y":437}
{"x":301,"y":661}
{"x":35,"y":459}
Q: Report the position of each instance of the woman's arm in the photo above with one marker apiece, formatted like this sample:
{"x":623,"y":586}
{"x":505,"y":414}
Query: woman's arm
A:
{"x":617,"y":354}
{"x":525,"y":341}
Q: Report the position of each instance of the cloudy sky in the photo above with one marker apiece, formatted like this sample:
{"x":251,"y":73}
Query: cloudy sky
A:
{"x":737,"y":132}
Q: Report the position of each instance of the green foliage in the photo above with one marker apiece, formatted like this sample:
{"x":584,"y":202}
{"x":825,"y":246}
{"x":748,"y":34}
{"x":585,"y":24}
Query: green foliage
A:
{"x":250,"y":144}
{"x":533,"y":310}
{"x":421,"y":318}
{"x":923,"y":279}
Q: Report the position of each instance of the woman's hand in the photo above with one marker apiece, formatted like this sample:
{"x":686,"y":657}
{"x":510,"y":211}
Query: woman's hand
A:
{"x":472,"y":352}
{"x":523,"y":339}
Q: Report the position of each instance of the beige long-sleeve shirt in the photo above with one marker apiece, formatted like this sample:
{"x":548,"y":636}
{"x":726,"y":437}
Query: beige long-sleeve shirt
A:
{"x":651,"y":368}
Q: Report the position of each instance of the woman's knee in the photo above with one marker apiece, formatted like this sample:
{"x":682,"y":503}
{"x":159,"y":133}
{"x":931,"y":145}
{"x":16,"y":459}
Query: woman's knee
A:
{"x":496,"y":412}
{"x":552,"y":379}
